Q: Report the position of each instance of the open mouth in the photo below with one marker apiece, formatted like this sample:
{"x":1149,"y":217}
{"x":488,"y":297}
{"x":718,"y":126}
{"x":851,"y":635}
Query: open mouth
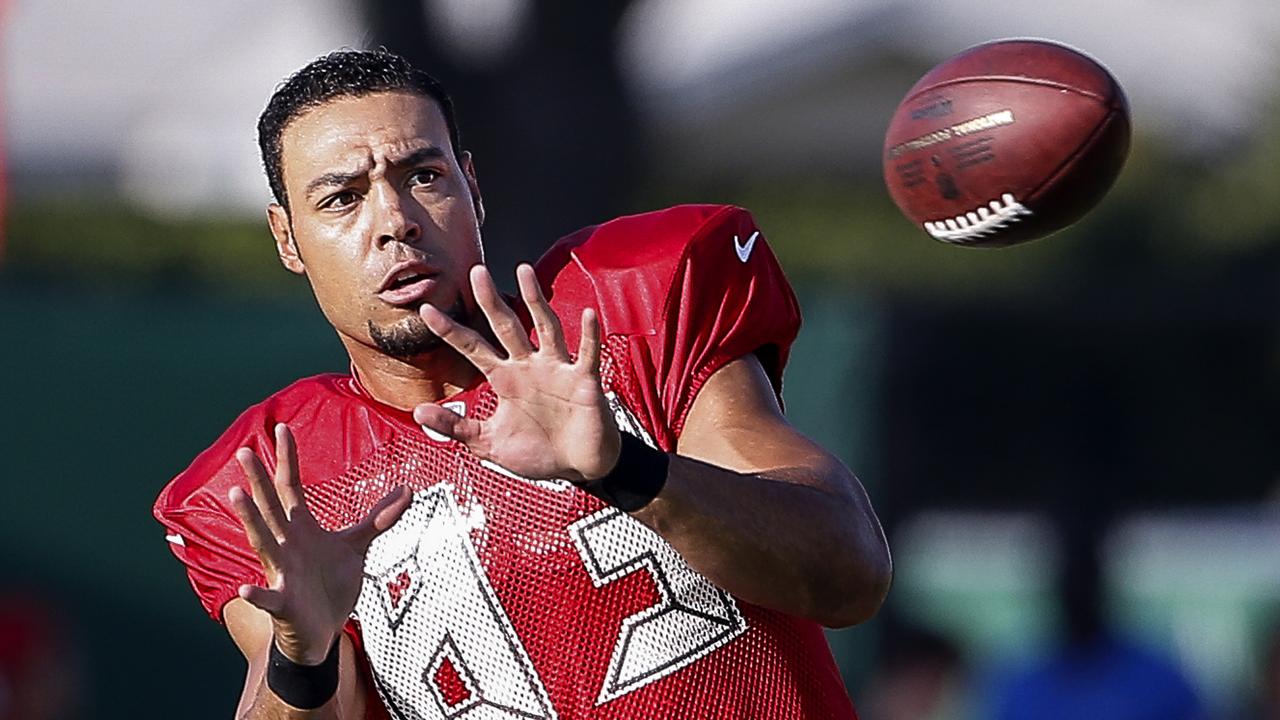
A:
{"x":408,"y":282}
{"x":407,"y":279}
{"x":408,"y":287}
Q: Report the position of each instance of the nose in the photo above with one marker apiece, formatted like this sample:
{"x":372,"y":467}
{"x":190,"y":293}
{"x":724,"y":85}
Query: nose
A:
{"x":390,"y":222}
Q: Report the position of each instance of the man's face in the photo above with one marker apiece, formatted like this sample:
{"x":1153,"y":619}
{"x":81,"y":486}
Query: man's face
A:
{"x":382,"y":217}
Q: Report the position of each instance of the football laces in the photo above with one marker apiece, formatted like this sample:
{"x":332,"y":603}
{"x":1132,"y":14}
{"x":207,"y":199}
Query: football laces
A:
{"x":980,"y":222}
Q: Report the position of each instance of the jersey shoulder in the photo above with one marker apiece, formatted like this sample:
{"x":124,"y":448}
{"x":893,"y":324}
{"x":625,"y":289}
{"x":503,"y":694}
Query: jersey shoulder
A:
{"x":645,"y":238}
{"x":203,"y":533}
{"x":627,"y":267}
{"x":680,"y":293}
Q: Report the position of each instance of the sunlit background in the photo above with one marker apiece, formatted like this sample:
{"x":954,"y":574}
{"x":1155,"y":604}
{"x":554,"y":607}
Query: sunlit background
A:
{"x":1100,"y":409}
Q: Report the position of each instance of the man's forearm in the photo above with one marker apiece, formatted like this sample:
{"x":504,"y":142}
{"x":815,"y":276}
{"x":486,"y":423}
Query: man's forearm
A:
{"x":774,"y":540}
{"x":261,"y":703}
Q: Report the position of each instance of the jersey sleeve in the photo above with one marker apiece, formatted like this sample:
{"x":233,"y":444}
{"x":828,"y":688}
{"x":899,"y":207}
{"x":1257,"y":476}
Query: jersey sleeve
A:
{"x":202,"y":529}
{"x":333,"y":427}
{"x":690,"y":289}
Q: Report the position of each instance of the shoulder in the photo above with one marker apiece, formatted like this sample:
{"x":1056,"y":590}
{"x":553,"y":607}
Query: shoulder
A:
{"x":680,"y":293}
{"x":629,"y":266}
{"x":307,"y":397}
{"x":653,"y":240}
{"x":194,"y":508}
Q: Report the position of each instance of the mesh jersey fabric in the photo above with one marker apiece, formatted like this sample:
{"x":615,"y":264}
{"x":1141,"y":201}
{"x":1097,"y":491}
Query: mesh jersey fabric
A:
{"x":496,"y":596}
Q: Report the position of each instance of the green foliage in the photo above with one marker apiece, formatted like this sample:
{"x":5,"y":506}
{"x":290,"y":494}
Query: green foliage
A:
{"x":854,"y":236}
{"x":1238,"y":204}
{"x":1164,"y":215}
{"x":121,"y":249}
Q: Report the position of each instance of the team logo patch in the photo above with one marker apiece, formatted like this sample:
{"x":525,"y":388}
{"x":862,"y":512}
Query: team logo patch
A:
{"x":457,"y":407}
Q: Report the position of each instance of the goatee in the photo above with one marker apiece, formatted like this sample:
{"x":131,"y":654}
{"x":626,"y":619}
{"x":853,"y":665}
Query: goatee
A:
{"x":411,"y":337}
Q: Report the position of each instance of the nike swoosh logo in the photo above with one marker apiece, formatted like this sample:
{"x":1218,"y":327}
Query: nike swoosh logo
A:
{"x":744,"y":249}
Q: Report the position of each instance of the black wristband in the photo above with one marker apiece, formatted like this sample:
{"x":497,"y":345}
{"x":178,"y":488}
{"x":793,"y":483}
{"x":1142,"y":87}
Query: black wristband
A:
{"x":305,"y":687}
{"x":636,"y":480}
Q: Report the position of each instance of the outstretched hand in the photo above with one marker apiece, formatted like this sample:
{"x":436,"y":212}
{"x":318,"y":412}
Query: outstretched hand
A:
{"x":313,"y":575}
{"x":552,"y":420}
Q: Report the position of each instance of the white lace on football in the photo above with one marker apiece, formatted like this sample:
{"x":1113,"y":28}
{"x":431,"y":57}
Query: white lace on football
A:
{"x":984,"y":221}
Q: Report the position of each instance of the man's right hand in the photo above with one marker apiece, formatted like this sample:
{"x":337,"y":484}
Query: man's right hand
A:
{"x":313,"y":575}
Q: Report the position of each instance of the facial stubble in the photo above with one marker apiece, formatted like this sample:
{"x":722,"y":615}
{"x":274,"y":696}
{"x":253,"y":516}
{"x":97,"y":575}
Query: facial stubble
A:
{"x":411,"y":337}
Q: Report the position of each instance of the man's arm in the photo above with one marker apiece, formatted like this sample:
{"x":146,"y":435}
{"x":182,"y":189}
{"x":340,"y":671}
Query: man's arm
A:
{"x":749,"y":502}
{"x":313,"y":580}
{"x":764,"y":512}
{"x":251,"y":630}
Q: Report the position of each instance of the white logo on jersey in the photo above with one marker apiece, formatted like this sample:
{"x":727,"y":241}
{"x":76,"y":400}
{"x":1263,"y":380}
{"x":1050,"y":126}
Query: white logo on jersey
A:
{"x":744,"y":250}
{"x":439,"y":643}
{"x":441,"y":646}
{"x":691,"y":619}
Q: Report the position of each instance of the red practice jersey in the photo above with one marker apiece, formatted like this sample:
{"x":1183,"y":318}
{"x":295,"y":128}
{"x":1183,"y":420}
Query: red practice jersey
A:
{"x":496,"y":596}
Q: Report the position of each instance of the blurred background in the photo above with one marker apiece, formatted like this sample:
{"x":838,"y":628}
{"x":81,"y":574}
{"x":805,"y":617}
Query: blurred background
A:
{"x":1073,"y":444}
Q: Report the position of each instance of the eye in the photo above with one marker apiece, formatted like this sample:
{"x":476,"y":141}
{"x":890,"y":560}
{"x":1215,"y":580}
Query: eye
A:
{"x":424,"y":176}
{"x":340,"y":200}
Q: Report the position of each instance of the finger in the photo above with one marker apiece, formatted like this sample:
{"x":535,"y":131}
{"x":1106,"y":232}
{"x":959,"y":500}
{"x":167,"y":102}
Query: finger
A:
{"x":255,"y":528}
{"x":382,"y":516}
{"x":466,"y":341}
{"x":545,"y":321}
{"x":589,"y":342}
{"x":264,"y":495}
{"x":288,"y":481}
{"x":448,"y":423}
{"x":270,"y":601}
{"x":502,"y":319}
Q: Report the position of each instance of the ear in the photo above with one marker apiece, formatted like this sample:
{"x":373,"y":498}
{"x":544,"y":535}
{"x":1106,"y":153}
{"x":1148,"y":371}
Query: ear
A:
{"x":286,"y":246}
{"x":469,"y":169}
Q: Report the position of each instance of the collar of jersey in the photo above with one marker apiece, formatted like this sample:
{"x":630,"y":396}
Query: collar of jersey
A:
{"x":359,"y":390}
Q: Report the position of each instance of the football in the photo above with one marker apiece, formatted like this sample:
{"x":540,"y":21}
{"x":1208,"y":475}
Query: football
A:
{"x":1006,"y":142}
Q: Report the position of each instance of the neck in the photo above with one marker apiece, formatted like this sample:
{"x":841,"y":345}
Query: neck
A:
{"x":405,"y":383}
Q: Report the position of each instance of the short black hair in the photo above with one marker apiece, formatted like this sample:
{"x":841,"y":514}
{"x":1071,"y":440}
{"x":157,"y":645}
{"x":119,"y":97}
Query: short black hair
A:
{"x":343,"y":73}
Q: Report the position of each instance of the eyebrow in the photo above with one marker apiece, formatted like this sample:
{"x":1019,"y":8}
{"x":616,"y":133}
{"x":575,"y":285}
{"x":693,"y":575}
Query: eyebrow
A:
{"x":430,"y":152}
{"x":338,"y":179}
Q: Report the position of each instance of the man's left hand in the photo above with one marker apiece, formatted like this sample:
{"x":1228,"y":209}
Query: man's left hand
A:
{"x":552,"y":420}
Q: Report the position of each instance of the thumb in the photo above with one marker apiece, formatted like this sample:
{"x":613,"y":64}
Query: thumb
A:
{"x":447,"y":422}
{"x":269,"y":601}
{"x":382,"y":516}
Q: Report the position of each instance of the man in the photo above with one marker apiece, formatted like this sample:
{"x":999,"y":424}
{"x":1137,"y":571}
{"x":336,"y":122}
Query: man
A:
{"x":497,"y":516}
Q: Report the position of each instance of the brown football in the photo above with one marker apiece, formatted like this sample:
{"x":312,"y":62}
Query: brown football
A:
{"x":1006,"y":142}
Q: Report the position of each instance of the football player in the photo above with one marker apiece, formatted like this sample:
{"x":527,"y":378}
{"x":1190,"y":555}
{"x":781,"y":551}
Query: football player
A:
{"x":583,"y":502}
